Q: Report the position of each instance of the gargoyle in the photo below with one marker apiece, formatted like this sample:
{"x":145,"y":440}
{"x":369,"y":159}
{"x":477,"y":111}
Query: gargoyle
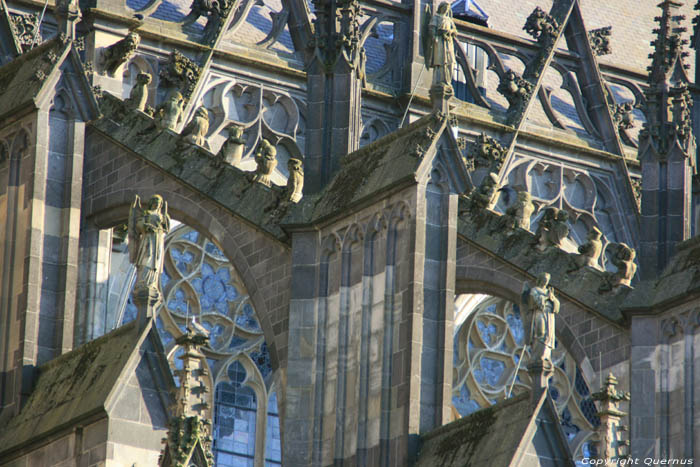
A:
{"x":118,"y":53}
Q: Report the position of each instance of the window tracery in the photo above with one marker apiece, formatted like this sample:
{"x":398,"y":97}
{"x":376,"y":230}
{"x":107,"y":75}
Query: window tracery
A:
{"x":488,"y":343}
{"x":198,"y":281}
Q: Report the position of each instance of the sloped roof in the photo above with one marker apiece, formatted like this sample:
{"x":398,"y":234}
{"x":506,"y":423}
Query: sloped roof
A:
{"x":680,"y":278}
{"x":632,"y":24}
{"x":191,"y":164}
{"x":496,"y":436}
{"x":74,"y":386}
{"x":25,"y":80}
{"x":584,"y":285}
{"x":22,"y":79}
{"x":386,"y":163}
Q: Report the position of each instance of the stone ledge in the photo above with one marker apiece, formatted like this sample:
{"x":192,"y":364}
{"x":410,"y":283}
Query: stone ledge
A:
{"x":192,"y":165}
{"x":517,"y":248}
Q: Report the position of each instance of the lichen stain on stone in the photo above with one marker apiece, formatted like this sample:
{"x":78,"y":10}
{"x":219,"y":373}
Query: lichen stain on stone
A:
{"x":465,"y":441}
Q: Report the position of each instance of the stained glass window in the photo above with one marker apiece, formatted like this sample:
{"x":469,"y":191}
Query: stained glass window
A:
{"x":198,"y":281}
{"x":488,"y":344}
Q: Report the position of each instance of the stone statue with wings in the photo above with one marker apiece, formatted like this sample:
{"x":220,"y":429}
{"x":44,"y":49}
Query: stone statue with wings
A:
{"x":147,"y":229}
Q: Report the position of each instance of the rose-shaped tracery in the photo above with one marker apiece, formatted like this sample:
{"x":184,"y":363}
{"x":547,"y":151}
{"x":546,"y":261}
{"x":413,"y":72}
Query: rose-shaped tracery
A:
{"x":488,"y":346}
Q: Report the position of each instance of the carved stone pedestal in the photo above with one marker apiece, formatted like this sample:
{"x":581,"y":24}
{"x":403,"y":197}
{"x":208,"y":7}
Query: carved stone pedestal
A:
{"x":440,"y":95}
{"x":540,"y":371}
{"x":146,"y":300}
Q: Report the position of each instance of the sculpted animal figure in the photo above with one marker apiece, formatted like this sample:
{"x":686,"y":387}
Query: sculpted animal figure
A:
{"x":266,"y":159}
{"x":589,"y":252}
{"x":118,"y":53}
{"x":295,"y":182}
{"x":231,"y":151}
{"x":519,"y":213}
{"x":485,"y":196}
{"x":139,"y":93}
{"x":170,"y":113}
{"x":553,"y":228}
{"x":196,"y":131}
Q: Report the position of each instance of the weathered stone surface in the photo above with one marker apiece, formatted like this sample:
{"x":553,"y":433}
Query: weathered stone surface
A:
{"x":195,"y":166}
{"x":485,"y":230}
{"x":497,"y":435}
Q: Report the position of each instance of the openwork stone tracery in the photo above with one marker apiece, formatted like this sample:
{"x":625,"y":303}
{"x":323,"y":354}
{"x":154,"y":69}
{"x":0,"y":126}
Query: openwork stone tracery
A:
{"x":489,"y":342}
{"x":199,"y":282}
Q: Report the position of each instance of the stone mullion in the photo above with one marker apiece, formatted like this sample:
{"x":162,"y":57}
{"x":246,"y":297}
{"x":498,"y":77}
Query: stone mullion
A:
{"x":376,"y":344}
{"x":412,"y":322}
{"x":688,"y":379}
{"x":71,"y":235}
{"x":645,"y":381}
{"x":561,"y":14}
{"x":11,"y":277}
{"x":301,"y":361}
{"x":365,"y":337}
{"x":329,"y":379}
{"x":389,"y":310}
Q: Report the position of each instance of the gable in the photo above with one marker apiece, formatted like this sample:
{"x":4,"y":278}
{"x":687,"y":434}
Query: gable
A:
{"x":72,"y":388}
{"x":448,"y":159}
{"x":546,"y":446}
{"x":143,"y":390}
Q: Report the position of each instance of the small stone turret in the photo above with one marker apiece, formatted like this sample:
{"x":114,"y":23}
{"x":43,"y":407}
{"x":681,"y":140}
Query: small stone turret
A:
{"x":611,"y":445}
{"x":666,"y":146}
{"x":189,"y":433}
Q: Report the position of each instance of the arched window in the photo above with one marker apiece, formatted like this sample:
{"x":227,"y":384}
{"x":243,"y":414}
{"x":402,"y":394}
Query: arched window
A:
{"x":198,"y":280}
{"x":488,"y":345}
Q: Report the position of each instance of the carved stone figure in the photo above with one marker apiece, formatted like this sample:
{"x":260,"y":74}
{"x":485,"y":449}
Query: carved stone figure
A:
{"x":295,"y":182}
{"x":487,"y":152}
{"x":485,"y":196}
{"x":552,"y":229}
{"x":196,"y":131}
{"x":214,"y":10}
{"x":541,"y":26}
{"x":118,"y":53}
{"x":516,"y":90}
{"x":179,"y":73}
{"x":600,"y":40}
{"x":439,"y":53}
{"x":147,"y":229}
{"x":231,"y":151}
{"x":589,"y":252}
{"x":623,"y":259}
{"x":139,"y":93}
{"x":540,"y":306}
{"x":519,"y":213}
{"x":622,"y":114}
{"x":266,"y":159}
{"x":170,"y":112}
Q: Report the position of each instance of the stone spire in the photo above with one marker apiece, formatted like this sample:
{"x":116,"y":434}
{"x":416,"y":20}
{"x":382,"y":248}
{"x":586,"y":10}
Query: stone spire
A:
{"x":335,"y":75}
{"x":611,"y":446}
{"x":666,"y":146}
{"x":189,"y":434}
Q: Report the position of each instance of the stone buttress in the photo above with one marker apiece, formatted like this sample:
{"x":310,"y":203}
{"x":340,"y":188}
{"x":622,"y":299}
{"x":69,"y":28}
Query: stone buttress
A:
{"x":370,"y":326}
